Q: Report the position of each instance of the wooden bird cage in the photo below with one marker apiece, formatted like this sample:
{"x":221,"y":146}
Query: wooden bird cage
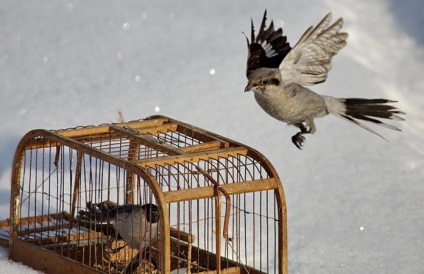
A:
{"x":221,"y":204}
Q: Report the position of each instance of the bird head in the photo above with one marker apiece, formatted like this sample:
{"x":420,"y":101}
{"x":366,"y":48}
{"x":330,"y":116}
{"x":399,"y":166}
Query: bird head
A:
{"x":152,"y":212}
{"x":263,"y":80}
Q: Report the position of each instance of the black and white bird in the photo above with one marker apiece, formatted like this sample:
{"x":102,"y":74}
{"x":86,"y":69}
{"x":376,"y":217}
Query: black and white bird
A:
{"x":136,"y":225}
{"x":278,"y":74}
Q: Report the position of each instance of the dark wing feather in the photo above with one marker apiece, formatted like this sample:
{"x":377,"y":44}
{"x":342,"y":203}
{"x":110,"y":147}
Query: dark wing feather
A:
{"x":268,"y":49}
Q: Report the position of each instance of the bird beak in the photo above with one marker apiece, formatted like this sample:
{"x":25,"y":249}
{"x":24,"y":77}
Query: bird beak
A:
{"x":248,"y":88}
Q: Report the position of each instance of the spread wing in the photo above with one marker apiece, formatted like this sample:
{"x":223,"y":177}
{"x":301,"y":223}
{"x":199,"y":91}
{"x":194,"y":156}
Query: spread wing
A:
{"x":309,"y":61}
{"x":267,"y":49}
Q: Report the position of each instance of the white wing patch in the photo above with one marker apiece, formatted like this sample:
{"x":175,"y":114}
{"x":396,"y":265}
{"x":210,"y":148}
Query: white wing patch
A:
{"x":309,"y":61}
{"x":269,"y":50}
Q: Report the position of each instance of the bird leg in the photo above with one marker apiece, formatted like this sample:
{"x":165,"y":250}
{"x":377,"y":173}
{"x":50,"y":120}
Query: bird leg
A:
{"x":299,"y":139}
{"x":116,"y":249}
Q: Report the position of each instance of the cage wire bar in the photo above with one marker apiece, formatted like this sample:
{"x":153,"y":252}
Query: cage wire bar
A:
{"x":221,"y":204}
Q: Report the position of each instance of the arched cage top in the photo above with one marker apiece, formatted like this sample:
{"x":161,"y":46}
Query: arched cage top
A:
{"x":220,"y":203}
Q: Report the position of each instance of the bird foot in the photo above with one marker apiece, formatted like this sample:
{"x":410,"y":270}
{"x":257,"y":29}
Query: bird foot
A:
{"x":116,"y":249}
{"x":298,"y":140}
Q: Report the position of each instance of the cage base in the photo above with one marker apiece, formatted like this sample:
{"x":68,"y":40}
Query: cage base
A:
{"x":44,"y":260}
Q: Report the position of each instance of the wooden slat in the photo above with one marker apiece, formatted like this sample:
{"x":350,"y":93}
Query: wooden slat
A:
{"x":209,"y":192}
{"x":105,"y":128}
{"x":193,"y":157}
{"x":200,"y":134}
{"x":26,"y":232}
{"x":148,"y":141}
{"x":156,"y":129}
{"x":76,"y":186}
{"x":43,"y":218}
{"x":46,"y":261}
{"x":4,"y":242}
{"x":93,"y":138}
{"x":67,"y":238}
{"x":84,"y":131}
{"x":213,"y":145}
{"x":231,"y":270}
{"x":4,"y":223}
{"x":181,"y":235}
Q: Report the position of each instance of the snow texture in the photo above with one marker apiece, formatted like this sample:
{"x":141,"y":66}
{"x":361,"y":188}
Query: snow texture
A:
{"x":354,"y":200}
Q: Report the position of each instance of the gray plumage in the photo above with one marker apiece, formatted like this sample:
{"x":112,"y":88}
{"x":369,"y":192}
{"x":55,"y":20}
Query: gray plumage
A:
{"x":136,"y":225}
{"x":280,"y":89}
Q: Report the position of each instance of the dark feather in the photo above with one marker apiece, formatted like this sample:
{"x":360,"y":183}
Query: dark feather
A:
{"x":257,"y":57}
{"x":378,"y":108}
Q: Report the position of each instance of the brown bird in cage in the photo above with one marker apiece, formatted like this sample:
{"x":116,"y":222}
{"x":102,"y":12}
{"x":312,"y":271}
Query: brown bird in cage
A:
{"x":136,"y":225}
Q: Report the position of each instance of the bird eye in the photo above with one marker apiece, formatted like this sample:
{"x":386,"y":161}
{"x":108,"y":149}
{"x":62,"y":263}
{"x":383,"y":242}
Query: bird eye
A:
{"x":265,"y":81}
{"x":274,"y":81}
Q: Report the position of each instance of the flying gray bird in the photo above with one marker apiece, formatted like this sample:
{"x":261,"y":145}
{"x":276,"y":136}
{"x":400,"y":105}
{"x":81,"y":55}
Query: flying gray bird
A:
{"x":136,"y":225}
{"x":278,"y":74}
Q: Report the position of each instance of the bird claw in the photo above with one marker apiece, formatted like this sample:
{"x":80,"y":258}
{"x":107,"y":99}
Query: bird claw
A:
{"x":298,"y":140}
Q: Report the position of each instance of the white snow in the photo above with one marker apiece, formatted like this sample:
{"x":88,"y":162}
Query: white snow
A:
{"x":8,"y":266}
{"x":354,"y":200}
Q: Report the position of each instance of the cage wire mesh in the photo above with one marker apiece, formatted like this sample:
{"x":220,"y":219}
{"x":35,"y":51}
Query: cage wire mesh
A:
{"x":253,"y":216}
{"x":77,"y":193}
{"x":53,"y":196}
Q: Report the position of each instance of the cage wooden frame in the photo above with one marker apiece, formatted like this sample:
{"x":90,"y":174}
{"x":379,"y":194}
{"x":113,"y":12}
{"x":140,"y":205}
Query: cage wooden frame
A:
{"x":212,"y":146}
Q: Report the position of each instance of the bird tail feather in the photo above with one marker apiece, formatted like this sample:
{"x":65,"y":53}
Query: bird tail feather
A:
{"x":357,"y":110}
{"x":97,"y":212}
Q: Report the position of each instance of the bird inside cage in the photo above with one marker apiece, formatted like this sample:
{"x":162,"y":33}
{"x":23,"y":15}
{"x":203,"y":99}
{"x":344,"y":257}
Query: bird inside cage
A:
{"x":136,"y":225}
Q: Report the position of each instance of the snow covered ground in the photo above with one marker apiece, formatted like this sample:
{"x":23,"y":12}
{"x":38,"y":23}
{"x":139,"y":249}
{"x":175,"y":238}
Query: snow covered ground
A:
{"x":354,"y":200}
